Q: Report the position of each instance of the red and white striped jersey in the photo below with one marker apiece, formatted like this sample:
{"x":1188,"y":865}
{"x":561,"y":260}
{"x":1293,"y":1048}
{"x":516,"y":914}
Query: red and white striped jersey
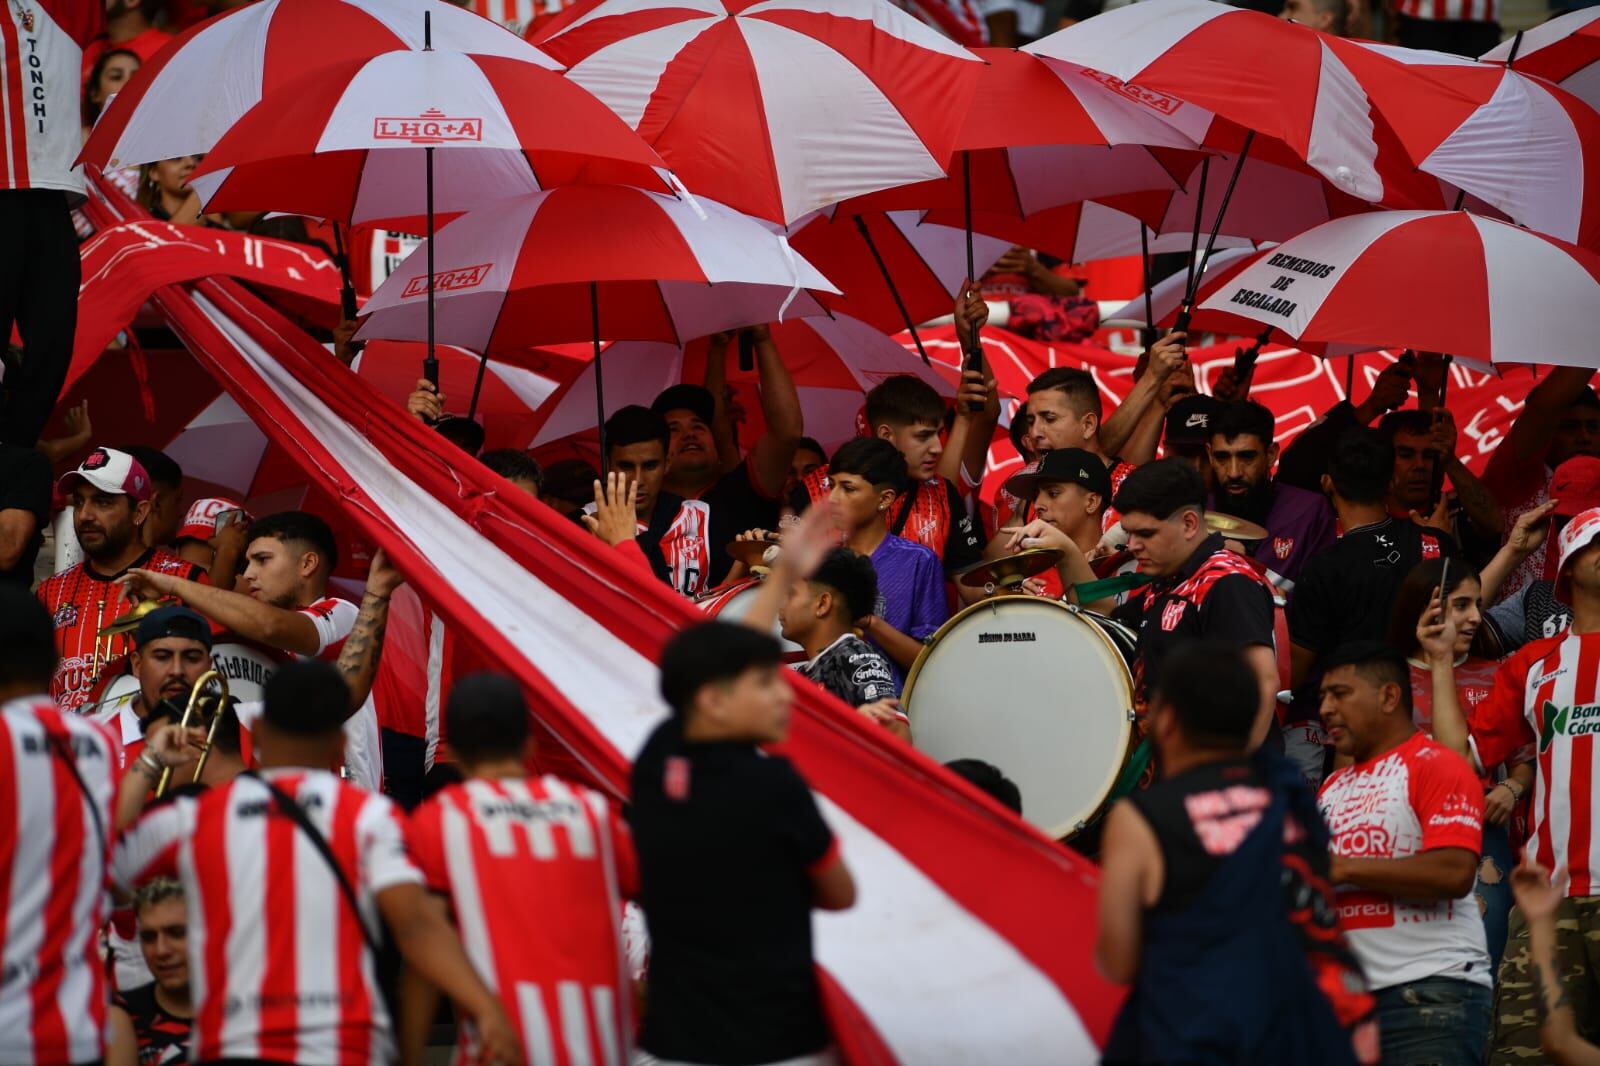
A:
{"x":1440,"y":10}
{"x":519,"y":16}
{"x":41,"y":59}
{"x":1548,"y":694}
{"x":53,"y":861}
{"x":279,"y":968}
{"x":536,"y":870}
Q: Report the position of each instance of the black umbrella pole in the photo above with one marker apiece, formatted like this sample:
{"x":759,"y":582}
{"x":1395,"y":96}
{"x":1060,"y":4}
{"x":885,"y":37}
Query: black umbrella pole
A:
{"x":894,"y":291}
{"x":1436,"y":490}
{"x":975,"y":353}
{"x":1197,"y":267}
{"x":430,"y":365}
{"x":599,"y":378}
{"x":347,"y":290}
{"x":1147,"y":336}
{"x":1199,"y":213}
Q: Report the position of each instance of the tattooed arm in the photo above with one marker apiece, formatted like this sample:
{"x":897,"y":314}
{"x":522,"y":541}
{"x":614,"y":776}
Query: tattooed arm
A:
{"x":358,"y":659}
{"x":1538,"y":899}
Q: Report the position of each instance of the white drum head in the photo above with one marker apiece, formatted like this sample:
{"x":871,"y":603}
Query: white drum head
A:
{"x":732,"y":606}
{"x":1038,"y":690}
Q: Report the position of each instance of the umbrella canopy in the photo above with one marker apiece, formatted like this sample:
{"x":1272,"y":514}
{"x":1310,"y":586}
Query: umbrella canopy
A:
{"x":1434,"y":281}
{"x":182,"y":101}
{"x":778,"y":108}
{"x":349,"y":141}
{"x":1036,"y":138}
{"x":926,"y":263}
{"x":1193,"y":62}
{"x":1565,"y":50}
{"x":523,"y":272}
{"x":1517,"y":143}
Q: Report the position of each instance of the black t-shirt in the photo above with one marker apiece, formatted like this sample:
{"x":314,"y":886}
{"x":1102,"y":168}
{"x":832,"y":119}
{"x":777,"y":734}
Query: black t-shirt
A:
{"x":736,"y":505}
{"x":1215,"y":595}
{"x":727,"y":838}
{"x":853,"y":670}
{"x":1200,"y":817}
{"x":1347,"y":592}
{"x":162,"y":1036}
{"x":25,"y":486}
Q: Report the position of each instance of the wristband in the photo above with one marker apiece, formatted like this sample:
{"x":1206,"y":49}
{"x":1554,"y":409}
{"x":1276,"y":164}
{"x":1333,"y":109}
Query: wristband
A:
{"x":150,"y":763}
{"x":1513,"y":787}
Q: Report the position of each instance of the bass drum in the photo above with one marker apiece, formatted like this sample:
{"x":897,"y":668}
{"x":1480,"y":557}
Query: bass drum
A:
{"x":1042,"y":690}
{"x":731,"y":603}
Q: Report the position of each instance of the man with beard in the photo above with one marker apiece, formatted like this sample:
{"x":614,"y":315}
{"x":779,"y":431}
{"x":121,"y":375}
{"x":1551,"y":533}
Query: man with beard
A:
{"x":171,"y":651}
{"x":110,"y":494}
{"x":1299,"y":524}
{"x":286,"y":605}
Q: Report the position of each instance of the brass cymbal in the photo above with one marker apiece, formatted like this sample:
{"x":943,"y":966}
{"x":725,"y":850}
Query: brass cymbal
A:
{"x":1010,"y":571}
{"x":127,"y":623}
{"x":1235,"y":528}
{"x":750,"y":552}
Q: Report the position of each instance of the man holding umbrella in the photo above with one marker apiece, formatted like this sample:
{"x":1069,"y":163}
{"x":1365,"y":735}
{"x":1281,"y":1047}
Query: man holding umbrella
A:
{"x":742,"y":493}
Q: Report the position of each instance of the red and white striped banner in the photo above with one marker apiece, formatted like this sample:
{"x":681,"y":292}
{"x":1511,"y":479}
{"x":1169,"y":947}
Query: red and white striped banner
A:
{"x":972,"y":939}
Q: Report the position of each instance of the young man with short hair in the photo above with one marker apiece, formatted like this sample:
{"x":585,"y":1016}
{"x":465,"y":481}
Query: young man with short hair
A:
{"x":739,"y":492}
{"x":292,"y":555}
{"x":152,"y":1023}
{"x":1242,"y":453}
{"x":1068,"y":492}
{"x":1215,"y":902}
{"x":110,"y":493}
{"x":1347,"y":591}
{"x":535,"y":871}
{"x":819,"y":615}
{"x":673,"y":532}
{"x":733,"y":857}
{"x":517,"y":467}
{"x":1201,"y":589}
{"x":1406,"y":818}
{"x":327,"y":1007}
{"x":868,"y":475}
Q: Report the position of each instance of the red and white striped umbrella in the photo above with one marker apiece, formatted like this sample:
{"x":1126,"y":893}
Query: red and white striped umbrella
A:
{"x":352,"y":141}
{"x":923,"y":264}
{"x":1434,"y":281}
{"x":183,"y":100}
{"x":777,"y":108}
{"x":1517,"y":143}
{"x":584,"y":262}
{"x":1195,"y":61}
{"x":834,"y":362}
{"x":1565,"y":50}
{"x":1035,"y":138}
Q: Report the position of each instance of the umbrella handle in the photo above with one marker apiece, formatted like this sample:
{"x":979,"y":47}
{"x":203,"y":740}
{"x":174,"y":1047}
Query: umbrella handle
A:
{"x":430,"y":370}
{"x":974,"y":361}
{"x":747,"y":351}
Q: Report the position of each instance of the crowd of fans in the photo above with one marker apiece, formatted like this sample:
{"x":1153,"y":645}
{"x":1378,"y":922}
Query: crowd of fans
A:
{"x":1367,"y":834}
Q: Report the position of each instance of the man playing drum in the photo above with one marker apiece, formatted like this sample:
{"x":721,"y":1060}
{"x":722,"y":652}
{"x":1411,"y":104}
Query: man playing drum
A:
{"x":1069,"y":493}
{"x":1201,"y":590}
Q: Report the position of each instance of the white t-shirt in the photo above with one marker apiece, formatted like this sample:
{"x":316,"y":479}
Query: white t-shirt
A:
{"x":1418,"y":797}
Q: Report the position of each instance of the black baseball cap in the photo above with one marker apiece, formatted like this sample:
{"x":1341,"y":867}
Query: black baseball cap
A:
{"x":1189,"y":421}
{"x":172,"y":621}
{"x":1064,"y":464}
{"x":696,"y":398}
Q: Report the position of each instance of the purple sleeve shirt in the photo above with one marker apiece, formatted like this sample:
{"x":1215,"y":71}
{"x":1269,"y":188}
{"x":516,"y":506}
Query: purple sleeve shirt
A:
{"x":1300,"y":525}
{"x":910,"y":587}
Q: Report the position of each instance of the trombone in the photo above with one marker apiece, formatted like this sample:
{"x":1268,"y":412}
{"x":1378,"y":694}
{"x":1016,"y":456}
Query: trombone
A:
{"x":204,"y":704}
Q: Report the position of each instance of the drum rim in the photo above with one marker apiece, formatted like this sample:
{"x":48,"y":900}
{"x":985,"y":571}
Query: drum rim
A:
{"x":1071,"y":828}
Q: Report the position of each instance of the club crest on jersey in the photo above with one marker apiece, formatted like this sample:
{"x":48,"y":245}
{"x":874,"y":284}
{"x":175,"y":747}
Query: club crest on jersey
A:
{"x":1282,"y":546}
{"x":431,"y":127}
{"x":675,"y":778}
{"x":1430,"y":547}
{"x":66,"y":615}
{"x":1576,"y":721}
{"x":1172,"y":614}
{"x":446,"y":280}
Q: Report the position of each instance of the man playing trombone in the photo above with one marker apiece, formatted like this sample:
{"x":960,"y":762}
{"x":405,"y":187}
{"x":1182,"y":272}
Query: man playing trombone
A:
{"x":171,"y":651}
